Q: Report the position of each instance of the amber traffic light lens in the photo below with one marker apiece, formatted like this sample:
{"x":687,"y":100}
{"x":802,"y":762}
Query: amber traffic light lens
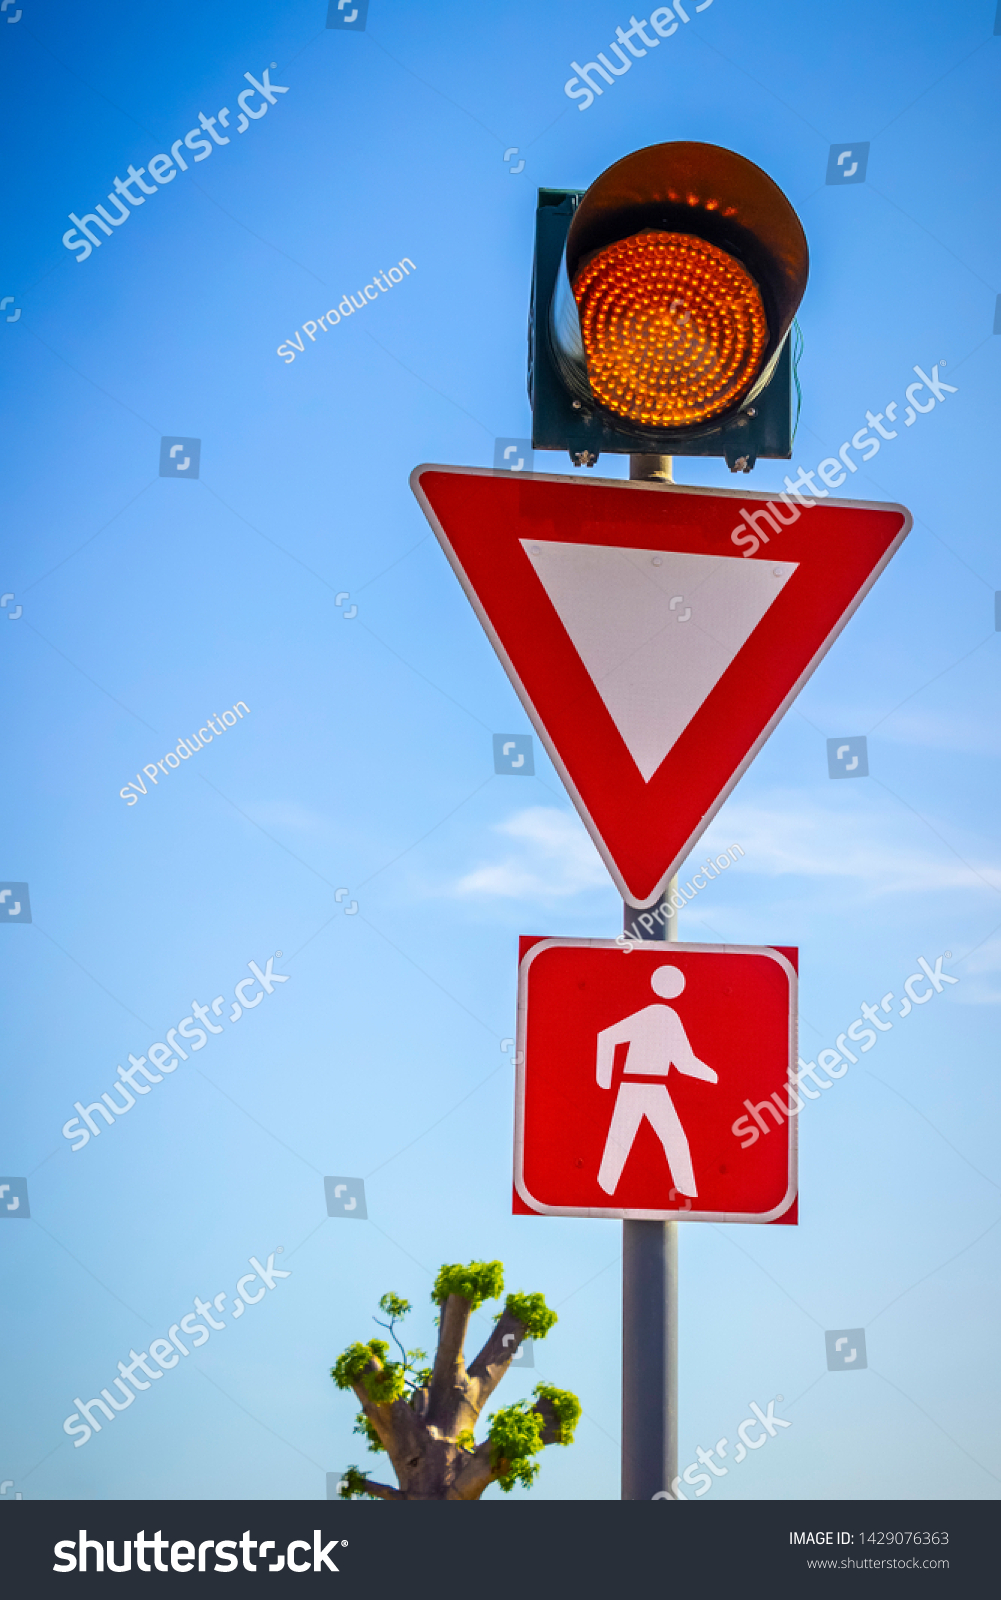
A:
{"x":673,"y":328}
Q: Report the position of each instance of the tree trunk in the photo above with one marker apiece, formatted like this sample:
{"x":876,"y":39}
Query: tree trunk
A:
{"x":420,"y":1438}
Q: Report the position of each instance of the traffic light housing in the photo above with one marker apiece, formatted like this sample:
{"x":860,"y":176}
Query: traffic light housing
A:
{"x":662,"y":301}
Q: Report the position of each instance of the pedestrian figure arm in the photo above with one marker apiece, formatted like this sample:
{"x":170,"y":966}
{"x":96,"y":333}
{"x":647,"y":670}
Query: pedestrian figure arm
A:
{"x":690,"y":1064}
{"x":608,"y":1038}
{"x":683,"y":1057}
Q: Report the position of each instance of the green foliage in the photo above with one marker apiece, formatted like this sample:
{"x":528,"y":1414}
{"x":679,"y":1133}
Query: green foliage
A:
{"x":350,"y":1365}
{"x":394,"y":1306}
{"x":354,"y":1485}
{"x":420,"y":1377}
{"x":364,"y":1426}
{"x":465,"y":1439}
{"x":531,"y":1310}
{"x":515,"y":1437}
{"x":481,"y":1280}
{"x":386,"y":1386}
{"x":566,"y":1406}
{"x":382,"y":1386}
{"x":410,"y":1374}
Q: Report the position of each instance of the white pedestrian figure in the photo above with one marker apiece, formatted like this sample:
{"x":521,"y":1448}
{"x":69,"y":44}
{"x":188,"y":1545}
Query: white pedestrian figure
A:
{"x":657,"y":1041}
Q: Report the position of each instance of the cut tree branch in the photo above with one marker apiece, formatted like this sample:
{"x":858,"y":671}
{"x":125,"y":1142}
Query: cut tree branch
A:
{"x":551,"y":1427}
{"x":494,"y":1359}
{"x":401,"y":1431}
{"x":473,"y":1475}
{"x":449,"y":1369}
{"x":382,"y":1491}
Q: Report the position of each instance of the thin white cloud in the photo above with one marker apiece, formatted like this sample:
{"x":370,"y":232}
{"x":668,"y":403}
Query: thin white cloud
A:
{"x":885,"y":850}
{"x":881,"y":852}
{"x":554,"y":859}
{"x":940,"y":730}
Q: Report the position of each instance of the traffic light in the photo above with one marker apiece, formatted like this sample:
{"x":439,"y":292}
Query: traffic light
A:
{"x":662,"y":301}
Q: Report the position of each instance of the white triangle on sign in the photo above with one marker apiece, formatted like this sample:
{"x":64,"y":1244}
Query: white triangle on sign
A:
{"x":655,"y":630}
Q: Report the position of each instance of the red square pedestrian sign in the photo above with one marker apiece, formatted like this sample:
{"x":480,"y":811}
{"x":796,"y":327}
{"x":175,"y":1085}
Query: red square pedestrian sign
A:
{"x":634,"y":1064}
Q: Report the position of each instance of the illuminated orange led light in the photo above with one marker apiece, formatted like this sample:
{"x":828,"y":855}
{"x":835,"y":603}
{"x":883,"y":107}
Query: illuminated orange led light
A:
{"x":673,"y":328}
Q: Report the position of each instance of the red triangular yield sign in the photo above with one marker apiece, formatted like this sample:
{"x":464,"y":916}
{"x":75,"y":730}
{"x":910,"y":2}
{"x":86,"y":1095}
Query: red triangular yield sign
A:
{"x":655,"y":633}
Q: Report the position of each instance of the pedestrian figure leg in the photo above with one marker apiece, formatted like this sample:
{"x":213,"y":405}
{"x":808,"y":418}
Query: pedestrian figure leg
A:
{"x":667,"y":1126}
{"x":630,"y":1109}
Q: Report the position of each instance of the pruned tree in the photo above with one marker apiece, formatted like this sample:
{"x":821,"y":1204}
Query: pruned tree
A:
{"x":424,"y":1417}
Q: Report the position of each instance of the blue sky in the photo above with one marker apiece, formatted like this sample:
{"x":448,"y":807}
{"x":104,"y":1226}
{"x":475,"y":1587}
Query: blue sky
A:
{"x":365,"y":764}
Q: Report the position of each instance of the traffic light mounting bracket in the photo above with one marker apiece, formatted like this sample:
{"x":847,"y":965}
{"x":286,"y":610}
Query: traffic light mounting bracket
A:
{"x":560,"y":424}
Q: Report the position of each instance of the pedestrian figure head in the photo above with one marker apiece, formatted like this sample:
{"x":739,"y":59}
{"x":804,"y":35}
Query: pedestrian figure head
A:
{"x":668,"y":982}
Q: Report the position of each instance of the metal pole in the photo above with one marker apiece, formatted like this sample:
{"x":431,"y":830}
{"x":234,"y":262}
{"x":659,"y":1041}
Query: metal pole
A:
{"x":649,"y":1284}
{"x":652,"y":469}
